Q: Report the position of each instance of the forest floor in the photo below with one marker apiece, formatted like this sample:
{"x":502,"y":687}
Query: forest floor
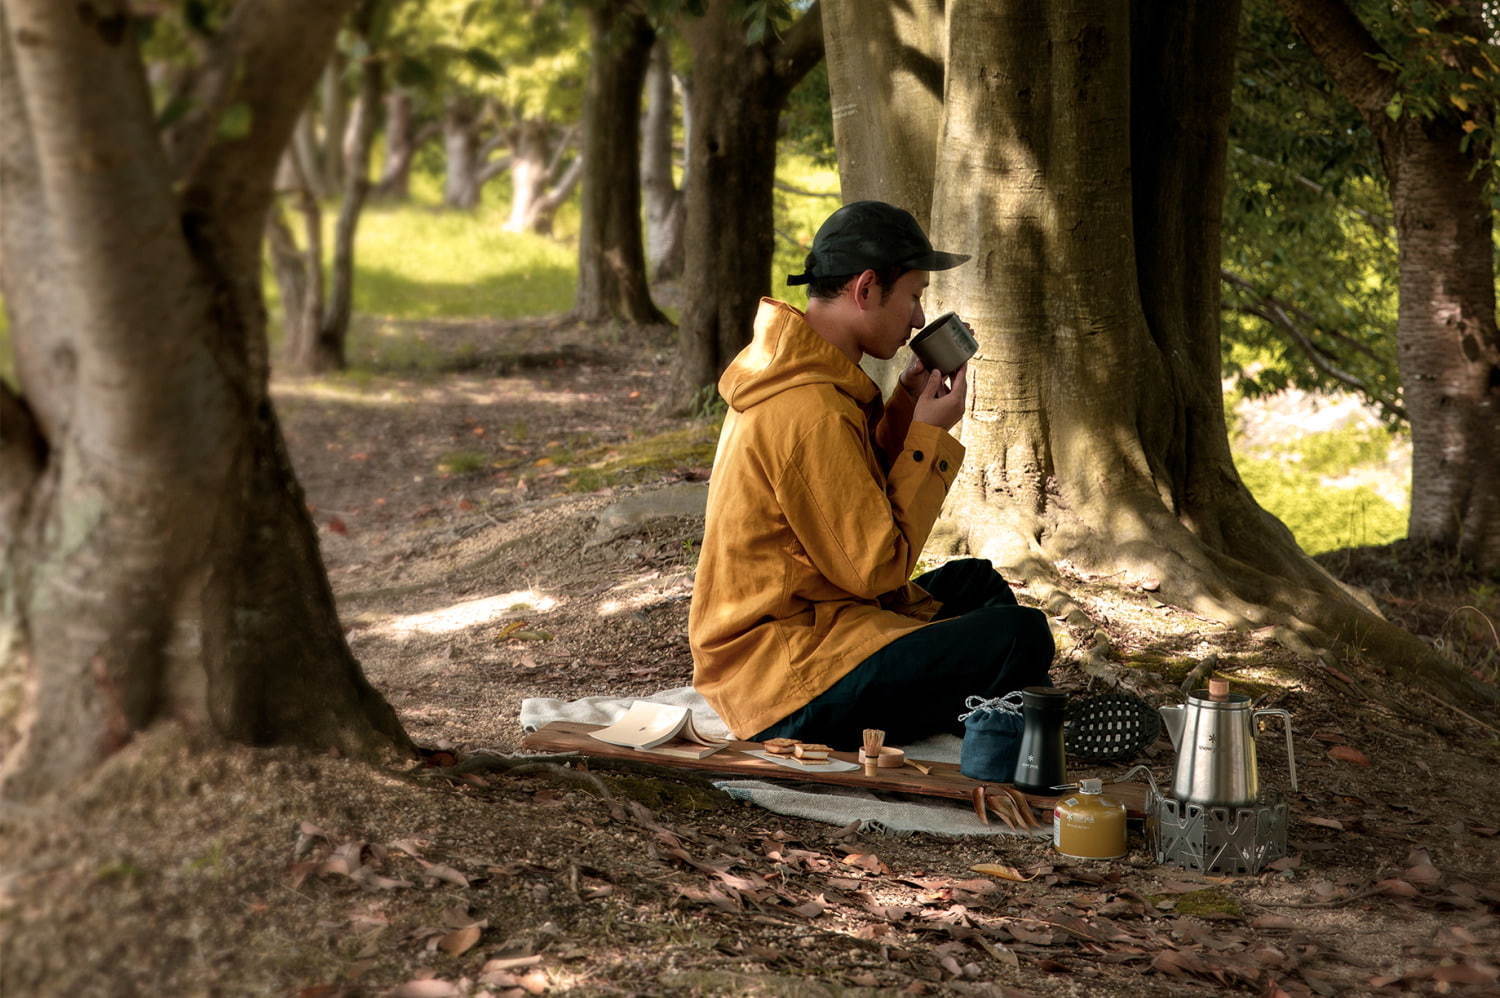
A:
{"x":463,"y":506}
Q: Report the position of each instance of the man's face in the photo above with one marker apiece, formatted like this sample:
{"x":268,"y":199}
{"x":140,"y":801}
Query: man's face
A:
{"x":890,"y":322}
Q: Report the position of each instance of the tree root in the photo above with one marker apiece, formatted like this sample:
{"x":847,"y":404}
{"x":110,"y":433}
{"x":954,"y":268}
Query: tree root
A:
{"x":1263,"y":581}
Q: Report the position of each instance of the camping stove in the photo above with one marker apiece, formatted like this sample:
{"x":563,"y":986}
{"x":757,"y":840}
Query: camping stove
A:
{"x":1212,"y":838}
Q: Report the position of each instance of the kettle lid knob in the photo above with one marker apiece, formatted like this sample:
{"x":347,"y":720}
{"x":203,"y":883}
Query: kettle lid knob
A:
{"x":1218,"y":688}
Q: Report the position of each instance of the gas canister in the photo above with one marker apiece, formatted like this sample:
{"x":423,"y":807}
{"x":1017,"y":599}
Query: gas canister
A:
{"x":1088,"y":825}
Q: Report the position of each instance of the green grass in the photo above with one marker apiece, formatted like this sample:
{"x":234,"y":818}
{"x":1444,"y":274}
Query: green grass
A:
{"x":1290,"y":481}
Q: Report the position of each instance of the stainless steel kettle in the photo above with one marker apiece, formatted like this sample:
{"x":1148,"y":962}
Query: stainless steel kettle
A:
{"x":1214,"y":735}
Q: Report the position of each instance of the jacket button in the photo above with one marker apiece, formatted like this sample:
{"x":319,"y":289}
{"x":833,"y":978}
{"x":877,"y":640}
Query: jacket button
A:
{"x":916,"y":455}
{"x":942,"y":466}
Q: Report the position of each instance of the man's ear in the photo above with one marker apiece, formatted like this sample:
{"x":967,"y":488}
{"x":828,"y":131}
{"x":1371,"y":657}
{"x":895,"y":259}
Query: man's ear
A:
{"x":865,"y":286}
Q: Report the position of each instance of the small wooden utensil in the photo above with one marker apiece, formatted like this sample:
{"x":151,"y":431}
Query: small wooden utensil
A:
{"x":874,"y":740}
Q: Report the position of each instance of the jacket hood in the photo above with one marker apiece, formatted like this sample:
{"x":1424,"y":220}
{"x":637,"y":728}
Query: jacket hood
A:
{"x":785,"y":353}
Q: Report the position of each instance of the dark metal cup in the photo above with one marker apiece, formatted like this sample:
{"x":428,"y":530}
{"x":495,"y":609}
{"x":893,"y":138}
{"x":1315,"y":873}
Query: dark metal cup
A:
{"x":945,"y":343}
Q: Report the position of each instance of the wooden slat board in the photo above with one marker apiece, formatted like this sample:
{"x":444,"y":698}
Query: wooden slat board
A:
{"x":944,"y":781}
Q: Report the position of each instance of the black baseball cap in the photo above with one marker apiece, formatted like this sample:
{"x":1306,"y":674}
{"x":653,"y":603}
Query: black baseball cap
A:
{"x":871,"y":235}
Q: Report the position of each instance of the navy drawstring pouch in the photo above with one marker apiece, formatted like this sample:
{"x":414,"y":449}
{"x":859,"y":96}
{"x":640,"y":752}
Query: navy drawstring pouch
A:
{"x":992,"y":737}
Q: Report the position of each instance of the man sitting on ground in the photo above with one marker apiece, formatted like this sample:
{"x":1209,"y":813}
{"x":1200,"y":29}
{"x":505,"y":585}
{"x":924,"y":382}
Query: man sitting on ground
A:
{"x":803,"y":622}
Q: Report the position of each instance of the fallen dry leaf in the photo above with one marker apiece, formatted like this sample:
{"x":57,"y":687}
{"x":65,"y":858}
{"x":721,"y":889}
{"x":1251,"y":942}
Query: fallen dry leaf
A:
{"x":1333,"y":823}
{"x":438,"y":871}
{"x":1002,"y":871}
{"x":460,"y":940}
{"x":1348,"y":753}
{"x":511,"y":963}
{"x":1396,"y":887}
{"x":429,"y":987}
{"x":866,"y":861}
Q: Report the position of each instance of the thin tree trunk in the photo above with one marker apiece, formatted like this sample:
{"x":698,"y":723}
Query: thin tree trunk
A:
{"x":461,"y":154}
{"x":611,"y":258}
{"x":664,"y":214}
{"x":333,"y":331}
{"x":400,"y":147}
{"x":544,"y":208}
{"x":528,"y":171}
{"x":738,"y":93}
{"x":1448,"y":346}
{"x":333,"y":105}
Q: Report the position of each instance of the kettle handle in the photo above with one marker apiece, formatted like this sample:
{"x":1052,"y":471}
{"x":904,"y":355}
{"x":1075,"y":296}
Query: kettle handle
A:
{"x":1286,"y":724}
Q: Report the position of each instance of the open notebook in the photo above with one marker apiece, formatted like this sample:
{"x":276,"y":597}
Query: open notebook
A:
{"x":658,"y":727}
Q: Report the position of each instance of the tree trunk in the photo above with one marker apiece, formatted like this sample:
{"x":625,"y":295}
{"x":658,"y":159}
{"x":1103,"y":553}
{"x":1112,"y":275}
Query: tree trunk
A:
{"x":664,"y":210}
{"x":1448,"y":347}
{"x":885,"y":83}
{"x":461,"y":154}
{"x":738,"y":93}
{"x":400,"y":147}
{"x":160,"y":562}
{"x":528,"y":171}
{"x":611,"y":259}
{"x":333,"y":105}
{"x":1447,"y":344}
{"x":333,"y":331}
{"x":1095,"y":428}
{"x":544,"y":209}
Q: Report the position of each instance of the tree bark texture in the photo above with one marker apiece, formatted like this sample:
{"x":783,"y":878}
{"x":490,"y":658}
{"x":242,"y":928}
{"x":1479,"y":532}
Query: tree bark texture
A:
{"x":885,"y":82}
{"x":739,"y":90}
{"x":1448,"y":346}
{"x":1081,"y":161}
{"x":333,"y":108}
{"x":156,"y":556}
{"x":664,"y":203}
{"x":611,"y":257}
{"x":460,"y":154}
{"x":530,"y":143}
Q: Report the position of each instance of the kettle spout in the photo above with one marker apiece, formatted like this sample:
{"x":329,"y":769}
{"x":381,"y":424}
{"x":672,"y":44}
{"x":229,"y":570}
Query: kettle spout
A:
{"x":1172,"y":717}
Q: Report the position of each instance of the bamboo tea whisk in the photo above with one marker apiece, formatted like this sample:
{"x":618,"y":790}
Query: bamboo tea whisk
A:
{"x":874,"y":742}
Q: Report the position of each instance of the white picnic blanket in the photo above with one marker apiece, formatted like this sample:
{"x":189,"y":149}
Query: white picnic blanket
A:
{"x":834,"y":805}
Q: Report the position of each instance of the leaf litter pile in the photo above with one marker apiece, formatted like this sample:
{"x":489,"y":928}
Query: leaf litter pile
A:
{"x":516,"y":527}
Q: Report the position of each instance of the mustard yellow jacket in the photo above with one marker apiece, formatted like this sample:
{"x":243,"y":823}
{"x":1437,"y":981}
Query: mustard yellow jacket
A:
{"x":820,"y":501}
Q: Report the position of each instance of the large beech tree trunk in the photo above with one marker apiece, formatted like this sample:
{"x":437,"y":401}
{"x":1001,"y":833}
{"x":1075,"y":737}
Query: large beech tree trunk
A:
{"x":1448,"y":347}
{"x":738,"y":91}
{"x":156,"y":556}
{"x":611,"y":257}
{"x":1081,"y":161}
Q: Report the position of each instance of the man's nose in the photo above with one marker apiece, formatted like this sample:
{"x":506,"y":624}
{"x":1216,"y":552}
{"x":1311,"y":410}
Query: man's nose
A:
{"x":918,"y":319}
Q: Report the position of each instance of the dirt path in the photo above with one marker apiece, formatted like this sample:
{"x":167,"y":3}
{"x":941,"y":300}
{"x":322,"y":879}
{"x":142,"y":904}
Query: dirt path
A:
{"x":470,"y":577}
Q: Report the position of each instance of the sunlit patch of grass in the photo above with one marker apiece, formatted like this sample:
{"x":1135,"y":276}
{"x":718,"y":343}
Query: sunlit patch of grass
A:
{"x":640,"y":460}
{"x":1291,"y":480}
{"x":416,"y":262}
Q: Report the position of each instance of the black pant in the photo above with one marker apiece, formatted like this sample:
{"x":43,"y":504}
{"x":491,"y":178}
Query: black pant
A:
{"x":980,"y":644}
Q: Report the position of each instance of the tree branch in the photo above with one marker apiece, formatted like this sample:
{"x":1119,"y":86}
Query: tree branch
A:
{"x":274,"y":50}
{"x":1343,"y":46}
{"x":1277,"y":314}
{"x":1375,"y":219}
{"x":800,"y":49}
